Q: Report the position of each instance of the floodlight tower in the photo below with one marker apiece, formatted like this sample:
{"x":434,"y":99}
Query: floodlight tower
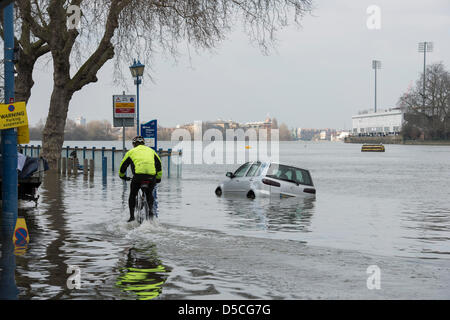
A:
{"x":376,"y":64}
{"x":425,"y":47}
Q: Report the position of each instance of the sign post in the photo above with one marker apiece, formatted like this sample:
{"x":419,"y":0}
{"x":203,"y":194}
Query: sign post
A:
{"x":8,"y":132}
{"x":149,"y":132}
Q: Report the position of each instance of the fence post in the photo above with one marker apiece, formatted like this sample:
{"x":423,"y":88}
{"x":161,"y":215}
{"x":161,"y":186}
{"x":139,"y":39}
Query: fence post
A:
{"x":26,"y":148}
{"x":84,"y":153}
{"x":113,"y":151}
{"x":67,"y":152}
{"x":32,"y":147}
{"x":91,"y":168}
{"x":104,"y":168}
{"x":169,"y":157}
{"x":38,"y":150}
{"x":93,"y":153}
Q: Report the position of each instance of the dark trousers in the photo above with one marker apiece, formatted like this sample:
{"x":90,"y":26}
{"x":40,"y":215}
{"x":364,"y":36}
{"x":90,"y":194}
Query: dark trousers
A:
{"x":135,"y":186}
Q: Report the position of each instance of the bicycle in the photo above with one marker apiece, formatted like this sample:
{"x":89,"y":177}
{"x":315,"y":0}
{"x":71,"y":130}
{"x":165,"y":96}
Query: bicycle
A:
{"x":142,"y":209}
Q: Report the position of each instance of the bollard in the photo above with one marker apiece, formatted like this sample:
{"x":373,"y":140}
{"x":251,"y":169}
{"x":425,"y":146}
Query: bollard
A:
{"x":85,"y":167}
{"x":67,"y":152}
{"x":69,"y":166}
{"x":91,"y":167}
{"x":169,"y":156}
{"x":64,"y":166}
{"x":113,"y":151}
{"x":84,"y":153}
{"x":59,"y":166}
{"x":32,"y":147}
{"x":180,"y":159}
{"x":104,"y":167}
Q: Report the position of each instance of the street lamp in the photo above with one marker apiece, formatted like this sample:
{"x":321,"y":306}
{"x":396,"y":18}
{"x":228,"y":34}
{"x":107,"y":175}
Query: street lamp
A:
{"x":137,"y":71}
{"x":425,"y":47}
{"x":376,"y":64}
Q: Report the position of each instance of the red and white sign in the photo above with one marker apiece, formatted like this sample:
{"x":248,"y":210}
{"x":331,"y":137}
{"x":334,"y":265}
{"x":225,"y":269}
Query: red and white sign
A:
{"x":124,"y":106}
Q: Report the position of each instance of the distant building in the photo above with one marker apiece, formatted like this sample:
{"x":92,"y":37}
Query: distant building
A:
{"x":323,"y":135}
{"x":383,"y":122}
{"x":80,"y":121}
{"x":266,"y":124}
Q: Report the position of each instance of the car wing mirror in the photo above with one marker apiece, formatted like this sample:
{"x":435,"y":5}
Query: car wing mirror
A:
{"x":230,"y":175}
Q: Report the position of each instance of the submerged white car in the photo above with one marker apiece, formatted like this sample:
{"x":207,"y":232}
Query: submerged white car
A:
{"x":255,"y":179}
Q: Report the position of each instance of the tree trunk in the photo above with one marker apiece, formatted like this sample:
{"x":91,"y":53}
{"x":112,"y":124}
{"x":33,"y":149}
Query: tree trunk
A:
{"x":53,"y":134}
{"x":24,"y":80}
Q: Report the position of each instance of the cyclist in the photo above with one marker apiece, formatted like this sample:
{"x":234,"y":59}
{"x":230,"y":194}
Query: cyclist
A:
{"x":146,"y":166}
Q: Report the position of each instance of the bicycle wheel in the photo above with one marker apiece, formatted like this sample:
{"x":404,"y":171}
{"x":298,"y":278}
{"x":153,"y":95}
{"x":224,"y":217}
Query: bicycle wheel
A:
{"x":145,"y":207}
{"x":140,"y":207}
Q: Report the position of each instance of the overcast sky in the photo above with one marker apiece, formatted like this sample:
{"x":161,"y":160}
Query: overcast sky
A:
{"x":319,"y":76}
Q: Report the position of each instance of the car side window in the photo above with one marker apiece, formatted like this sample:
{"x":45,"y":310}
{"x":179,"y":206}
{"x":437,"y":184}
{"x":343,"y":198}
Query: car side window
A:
{"x":240,"y":172}
{"x":253,"y":169}
{"x":303,"y":177}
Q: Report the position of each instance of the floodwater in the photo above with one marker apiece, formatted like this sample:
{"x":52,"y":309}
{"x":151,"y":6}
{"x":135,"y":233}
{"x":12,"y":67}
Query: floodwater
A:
{"x":387,"y":209}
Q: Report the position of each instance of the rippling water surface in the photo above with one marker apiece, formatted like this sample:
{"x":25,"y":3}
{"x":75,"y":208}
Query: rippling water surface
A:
{"x":393,"y":205}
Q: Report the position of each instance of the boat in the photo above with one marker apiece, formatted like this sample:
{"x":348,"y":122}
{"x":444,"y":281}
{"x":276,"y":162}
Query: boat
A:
{"x":372,"y":148}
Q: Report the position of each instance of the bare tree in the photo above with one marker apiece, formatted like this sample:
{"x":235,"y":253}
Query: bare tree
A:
{"x":29,"y":50}
{"x":119,"y":28}
{"x":429,"y":116}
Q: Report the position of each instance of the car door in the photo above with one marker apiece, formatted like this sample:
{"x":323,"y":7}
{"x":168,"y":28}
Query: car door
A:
{"x":289,"y":188}
{"x":236,"y":183}
{"x":249,"y":179}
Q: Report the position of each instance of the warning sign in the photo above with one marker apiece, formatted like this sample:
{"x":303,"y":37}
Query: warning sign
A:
{"x":13,"y":115}
{"x":124,"y":106}
{"x":20,"y":237}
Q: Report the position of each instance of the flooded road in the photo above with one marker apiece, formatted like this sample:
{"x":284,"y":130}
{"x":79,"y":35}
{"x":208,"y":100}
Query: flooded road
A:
{"x":387,"y":209}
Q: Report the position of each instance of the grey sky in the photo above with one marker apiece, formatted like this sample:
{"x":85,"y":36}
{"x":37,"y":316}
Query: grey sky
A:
{"x":319,"y":75}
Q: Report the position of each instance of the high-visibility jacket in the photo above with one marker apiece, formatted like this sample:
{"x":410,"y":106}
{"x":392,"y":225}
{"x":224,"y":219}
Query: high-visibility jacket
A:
{"x":143,"y":160}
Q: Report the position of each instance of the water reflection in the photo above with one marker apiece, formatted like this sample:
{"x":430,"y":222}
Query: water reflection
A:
{"x":143,"y":274}
{"x":8,"y":287}
{"x":271,"y":214}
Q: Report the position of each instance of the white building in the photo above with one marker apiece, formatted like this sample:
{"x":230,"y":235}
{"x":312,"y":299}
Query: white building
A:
{"x":80,"y":121}
{"x":383,"y":122}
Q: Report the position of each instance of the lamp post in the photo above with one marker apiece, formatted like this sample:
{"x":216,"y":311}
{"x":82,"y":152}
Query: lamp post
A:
{"x":376,"y":64}
{"x":137,"y":71}
{"x":425,"y":47}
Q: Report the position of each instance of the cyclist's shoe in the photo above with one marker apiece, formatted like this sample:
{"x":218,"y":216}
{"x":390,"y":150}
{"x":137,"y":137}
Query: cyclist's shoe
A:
{"x":131,"y":219}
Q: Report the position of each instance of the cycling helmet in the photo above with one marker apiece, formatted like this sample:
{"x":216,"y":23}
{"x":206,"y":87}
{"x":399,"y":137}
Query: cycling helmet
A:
{"x":138,"y":140}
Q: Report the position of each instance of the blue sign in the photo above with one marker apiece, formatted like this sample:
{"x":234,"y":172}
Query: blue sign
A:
{"x":149,"y":131}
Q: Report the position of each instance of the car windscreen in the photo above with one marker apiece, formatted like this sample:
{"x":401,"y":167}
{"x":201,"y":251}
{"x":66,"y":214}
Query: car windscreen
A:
{"x":290,"y":174}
